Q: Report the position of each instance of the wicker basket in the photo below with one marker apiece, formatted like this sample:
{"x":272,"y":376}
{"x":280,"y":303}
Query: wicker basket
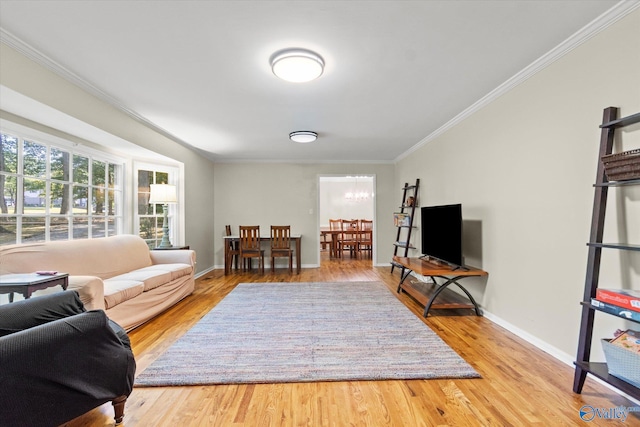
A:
{"x":622,"y":363}
{"x":622,"y":166}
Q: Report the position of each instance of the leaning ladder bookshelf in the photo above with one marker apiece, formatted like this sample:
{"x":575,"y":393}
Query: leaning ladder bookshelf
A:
{"x":610,"y":123}
{"x":403,"y":234}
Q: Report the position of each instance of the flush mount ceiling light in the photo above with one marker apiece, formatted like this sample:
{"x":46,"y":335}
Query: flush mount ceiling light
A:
{"x":297,"y":65}
{"x":303,"y":136}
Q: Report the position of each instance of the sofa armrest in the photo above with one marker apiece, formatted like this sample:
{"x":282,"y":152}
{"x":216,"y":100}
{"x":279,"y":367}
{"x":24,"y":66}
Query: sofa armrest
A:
{"x":90,"y":289}
{"x":184,"y":256}
{"x":59,"y":370}
{"x":26,"y":314}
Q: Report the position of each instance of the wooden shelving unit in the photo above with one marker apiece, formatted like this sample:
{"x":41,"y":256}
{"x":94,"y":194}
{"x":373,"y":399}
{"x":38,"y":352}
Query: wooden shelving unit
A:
{"x":402,"y":243}
{"x":610,"y":123}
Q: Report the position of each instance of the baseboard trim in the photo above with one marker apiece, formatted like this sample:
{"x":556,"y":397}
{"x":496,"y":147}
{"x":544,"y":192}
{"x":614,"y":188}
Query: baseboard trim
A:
{"x":204,"y":272}
{"x":547,"y":348}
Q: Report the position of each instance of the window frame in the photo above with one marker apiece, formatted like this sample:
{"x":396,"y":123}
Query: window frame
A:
{"x":175,"y":215}
{"x":25,"y":133}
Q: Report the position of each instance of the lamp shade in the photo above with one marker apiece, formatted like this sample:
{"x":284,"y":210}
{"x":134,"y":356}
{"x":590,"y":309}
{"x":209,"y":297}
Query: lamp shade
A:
{"x":297,"y":65}
{"x":303,"y":136}
{"x":163,"y":193}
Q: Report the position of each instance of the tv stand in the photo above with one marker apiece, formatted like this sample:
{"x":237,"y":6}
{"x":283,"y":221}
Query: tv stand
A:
{"x":439,"y":262}
{"x":425,"y":294}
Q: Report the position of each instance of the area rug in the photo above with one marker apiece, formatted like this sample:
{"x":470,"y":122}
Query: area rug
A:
{"x":301,"y":332}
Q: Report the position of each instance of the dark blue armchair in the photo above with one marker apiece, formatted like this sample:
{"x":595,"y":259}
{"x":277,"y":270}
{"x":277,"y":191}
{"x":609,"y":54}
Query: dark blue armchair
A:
{"x":58,"y":361}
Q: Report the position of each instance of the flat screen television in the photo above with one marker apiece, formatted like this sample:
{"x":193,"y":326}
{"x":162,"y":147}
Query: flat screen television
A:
{"x":441,"y":228}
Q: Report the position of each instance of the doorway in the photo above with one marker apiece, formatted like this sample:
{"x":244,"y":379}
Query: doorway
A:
{"x":345,"y":197}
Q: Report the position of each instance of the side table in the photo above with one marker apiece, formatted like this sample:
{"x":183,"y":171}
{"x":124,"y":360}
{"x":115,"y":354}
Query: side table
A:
{"x":27,"y":283}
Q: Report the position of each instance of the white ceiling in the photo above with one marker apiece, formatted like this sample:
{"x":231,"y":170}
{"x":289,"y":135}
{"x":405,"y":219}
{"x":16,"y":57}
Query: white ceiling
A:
{"x":396,"y":71}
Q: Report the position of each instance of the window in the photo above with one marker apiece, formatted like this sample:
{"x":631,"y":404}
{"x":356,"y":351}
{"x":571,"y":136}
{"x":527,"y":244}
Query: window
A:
{"x":149,"y":218}
{"x":54,"y":190}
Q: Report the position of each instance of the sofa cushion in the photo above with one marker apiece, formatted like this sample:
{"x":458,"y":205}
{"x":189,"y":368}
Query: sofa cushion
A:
{"x":117,"y":291}
{"x":152,"y":277}
{"x":176,"y":270}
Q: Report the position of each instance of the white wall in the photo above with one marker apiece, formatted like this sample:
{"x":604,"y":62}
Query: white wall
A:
{"x":336,"y":204}
{"x":268,"y":193}
{"x":523,"y":168}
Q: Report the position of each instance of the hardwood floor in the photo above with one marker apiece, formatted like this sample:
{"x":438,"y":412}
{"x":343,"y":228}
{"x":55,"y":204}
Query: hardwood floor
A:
{"x":520,"y":385}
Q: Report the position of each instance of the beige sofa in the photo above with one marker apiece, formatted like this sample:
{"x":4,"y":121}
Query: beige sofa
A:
{"x":117,"y":274}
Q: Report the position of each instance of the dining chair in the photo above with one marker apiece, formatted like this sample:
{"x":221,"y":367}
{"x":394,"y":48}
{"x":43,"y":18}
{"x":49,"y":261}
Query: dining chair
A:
{"x":281,"y":245}
{"x":250,"y":246}
{"x":233,"y":251}
{"x":365,"y":236}
{"x":349,"y":238}
{"x":335,"y":225}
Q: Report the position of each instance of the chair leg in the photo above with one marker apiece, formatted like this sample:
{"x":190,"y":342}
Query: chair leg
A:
{"x":273,"y":265}
{"x":235,"y":257}
{"x":118,"y":408}
{"x":228,"y":262}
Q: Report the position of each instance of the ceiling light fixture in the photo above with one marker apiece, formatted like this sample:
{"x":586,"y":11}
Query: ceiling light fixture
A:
{"x":297,"y":65}
{"x":303,"y":136}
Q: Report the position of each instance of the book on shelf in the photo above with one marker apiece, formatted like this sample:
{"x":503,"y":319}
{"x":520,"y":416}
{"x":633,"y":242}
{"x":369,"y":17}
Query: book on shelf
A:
{"x":617,"y":310}
{"x":629,"y":340}
{"x":627,"y":298}
{"x":401,"y":219}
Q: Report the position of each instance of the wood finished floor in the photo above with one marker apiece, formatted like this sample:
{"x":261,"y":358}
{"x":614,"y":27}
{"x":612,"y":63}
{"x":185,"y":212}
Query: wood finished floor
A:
{"x":520,"y":385}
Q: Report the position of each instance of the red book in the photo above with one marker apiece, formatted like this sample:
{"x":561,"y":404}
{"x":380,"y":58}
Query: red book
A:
{"x":627,"y":298}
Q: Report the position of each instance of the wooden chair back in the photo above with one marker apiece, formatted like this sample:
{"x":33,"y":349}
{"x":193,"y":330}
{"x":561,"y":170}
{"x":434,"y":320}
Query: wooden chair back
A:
{"x":349,"y":238}
{"x":249,"y":238}
{"x":250,"y":245}
{"x":281,"y":237}
{"x":233,"y":250}
{"x":349,"y":226}
{"x":366,"y":225}
{"x":335,"y":224}
{"x":365,"y":237}
{"x":281,"y":244}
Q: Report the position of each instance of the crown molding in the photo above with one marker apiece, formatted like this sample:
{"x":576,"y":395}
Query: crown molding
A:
{"x":48,"y":63}
{"x":599,"y":24}
{"x":38,"y":57}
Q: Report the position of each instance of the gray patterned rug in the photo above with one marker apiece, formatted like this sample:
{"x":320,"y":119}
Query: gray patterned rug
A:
{"x":299,"y":332}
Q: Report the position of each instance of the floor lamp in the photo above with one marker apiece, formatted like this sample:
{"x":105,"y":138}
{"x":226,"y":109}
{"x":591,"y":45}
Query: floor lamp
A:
{"x":164,"y":194}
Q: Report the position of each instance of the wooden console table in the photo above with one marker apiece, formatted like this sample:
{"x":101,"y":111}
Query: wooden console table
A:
{"x":426,"y":294}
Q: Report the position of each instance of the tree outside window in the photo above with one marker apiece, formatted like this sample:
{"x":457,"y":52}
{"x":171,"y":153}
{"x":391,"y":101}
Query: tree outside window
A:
{"x":53,"y":193}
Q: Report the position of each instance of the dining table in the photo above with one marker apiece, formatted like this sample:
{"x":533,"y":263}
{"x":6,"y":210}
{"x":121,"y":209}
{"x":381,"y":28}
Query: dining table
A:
{"x":333,"y":242}
{"x":295,"y":238}
{"x":335,"y":236}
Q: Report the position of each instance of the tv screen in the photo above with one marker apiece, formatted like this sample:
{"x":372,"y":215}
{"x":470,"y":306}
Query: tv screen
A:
{"x":441,"y":228}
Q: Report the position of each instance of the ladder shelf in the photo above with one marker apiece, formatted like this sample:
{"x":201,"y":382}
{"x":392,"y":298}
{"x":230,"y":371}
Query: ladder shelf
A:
{"x":610,"y":122}
{"x":408,"y":206}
